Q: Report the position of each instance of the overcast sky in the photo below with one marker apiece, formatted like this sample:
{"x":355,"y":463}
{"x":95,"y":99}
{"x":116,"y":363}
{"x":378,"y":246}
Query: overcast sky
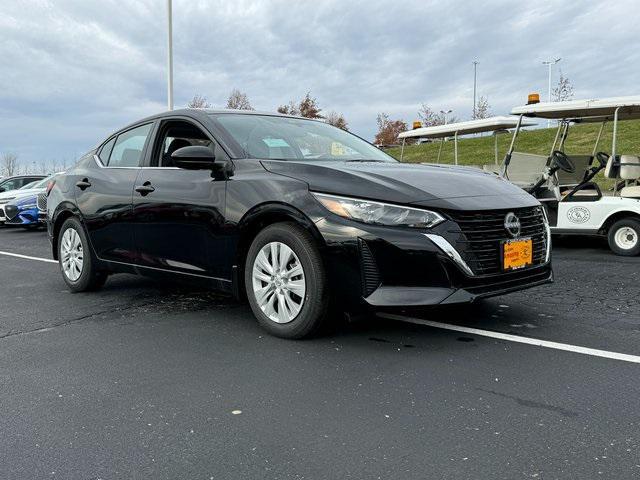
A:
{"x":72,"y":71}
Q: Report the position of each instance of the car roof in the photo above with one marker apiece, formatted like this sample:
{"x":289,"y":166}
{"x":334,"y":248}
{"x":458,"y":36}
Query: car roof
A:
{"x":203,"y":112}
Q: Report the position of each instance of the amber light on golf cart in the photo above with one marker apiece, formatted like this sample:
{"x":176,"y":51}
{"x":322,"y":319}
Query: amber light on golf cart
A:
{"x":417,"y":124}
{"x":533,"y":98}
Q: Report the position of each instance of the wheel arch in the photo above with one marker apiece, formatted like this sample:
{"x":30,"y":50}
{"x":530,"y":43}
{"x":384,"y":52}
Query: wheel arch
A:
{"x":63,"y":212}
{"x":619,"y":215}
{"x":256,"y":220}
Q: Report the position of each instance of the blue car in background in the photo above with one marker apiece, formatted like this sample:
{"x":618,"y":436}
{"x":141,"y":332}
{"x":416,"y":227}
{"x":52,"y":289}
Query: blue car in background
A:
{"x":28,"y":211}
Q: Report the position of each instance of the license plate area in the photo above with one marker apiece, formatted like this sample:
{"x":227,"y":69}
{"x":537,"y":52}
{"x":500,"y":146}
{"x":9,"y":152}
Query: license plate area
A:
{"x":517,"y":254}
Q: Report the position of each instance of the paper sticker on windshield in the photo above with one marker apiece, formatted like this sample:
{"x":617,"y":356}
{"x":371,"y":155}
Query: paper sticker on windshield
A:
{"x":275,"y":142}
{"x":337,"y":149}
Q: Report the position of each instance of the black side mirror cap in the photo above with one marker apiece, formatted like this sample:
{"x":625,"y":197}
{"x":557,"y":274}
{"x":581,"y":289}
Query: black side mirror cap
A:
{"x":196,"y":157}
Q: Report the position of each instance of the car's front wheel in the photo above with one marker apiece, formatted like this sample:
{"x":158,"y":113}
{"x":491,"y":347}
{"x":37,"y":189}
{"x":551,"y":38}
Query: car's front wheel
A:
{"x":285,"y":281}
{"x":624,"y":237}
{"x":78,"y":267}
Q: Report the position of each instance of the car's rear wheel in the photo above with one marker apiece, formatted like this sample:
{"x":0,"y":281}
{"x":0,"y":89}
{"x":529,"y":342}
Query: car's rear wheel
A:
{"x":285,"y":281}
{"x":77,"y":264}
{"x":624,"y":237}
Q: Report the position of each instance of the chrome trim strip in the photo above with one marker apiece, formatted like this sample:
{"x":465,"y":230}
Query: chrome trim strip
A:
{"x":547,"y":257}
{"x":453,"y":254}
{"x":102,"y":165}
{"x":135,"y":265}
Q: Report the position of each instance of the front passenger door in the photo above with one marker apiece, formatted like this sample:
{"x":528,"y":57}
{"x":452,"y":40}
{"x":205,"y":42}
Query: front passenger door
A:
{"x":179,"y":213}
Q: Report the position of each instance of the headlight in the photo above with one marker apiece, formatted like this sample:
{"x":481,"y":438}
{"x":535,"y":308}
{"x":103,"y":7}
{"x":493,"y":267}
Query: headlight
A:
{"x":377,"y":213}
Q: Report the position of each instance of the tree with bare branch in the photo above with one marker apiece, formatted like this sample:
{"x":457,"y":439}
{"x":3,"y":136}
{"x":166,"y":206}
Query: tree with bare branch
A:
{"x":9,"y":164}
{"x":290,"y":109}
{"x":388,"y":130}
{"x":337,"y":120}
{"x":429,"y":117}
{"x":198,"y":101}
{"x":307,"y":107}
{"x":483,"y":109}
{"x":563,"y":90}
{"x":238,"y":100}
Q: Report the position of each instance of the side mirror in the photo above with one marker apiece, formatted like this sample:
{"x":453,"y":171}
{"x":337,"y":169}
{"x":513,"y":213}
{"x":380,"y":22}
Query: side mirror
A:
{"x":196,"y":157}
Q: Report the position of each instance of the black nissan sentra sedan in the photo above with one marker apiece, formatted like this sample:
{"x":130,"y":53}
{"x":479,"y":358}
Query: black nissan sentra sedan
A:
{"x":295,"y":215}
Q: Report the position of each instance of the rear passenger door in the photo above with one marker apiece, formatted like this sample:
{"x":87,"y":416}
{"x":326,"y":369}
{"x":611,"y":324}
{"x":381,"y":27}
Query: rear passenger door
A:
{"x":104,"y":189}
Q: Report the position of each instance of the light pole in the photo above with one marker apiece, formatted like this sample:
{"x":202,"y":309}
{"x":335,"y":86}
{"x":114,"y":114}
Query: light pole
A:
{"x":475,"y":68}
{"x":550,"y":64}
{"x":169,"y":57}
{"x":445,"y":114}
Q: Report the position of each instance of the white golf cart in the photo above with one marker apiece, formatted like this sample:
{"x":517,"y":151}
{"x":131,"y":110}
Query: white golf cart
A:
{"x":564,"y":183}
{"x":455,"y":130}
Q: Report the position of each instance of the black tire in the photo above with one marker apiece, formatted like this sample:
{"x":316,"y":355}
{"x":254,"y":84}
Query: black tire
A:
{"x":313,"y":314}
{"x":91,"y":278}
{"x":616,"y":232}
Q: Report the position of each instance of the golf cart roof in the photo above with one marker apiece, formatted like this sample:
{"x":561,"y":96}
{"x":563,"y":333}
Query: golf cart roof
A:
{"x":491,"y":124}
{"x":592,"y":110}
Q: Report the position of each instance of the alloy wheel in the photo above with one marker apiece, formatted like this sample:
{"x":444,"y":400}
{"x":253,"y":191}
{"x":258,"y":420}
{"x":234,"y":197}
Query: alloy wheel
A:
{"x":278,"y":282}
{"x":71,"y":254}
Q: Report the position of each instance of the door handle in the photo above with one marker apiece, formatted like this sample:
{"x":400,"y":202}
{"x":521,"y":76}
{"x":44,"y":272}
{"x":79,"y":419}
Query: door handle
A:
{"x":144,"y":189}
{"x":83,"y":184}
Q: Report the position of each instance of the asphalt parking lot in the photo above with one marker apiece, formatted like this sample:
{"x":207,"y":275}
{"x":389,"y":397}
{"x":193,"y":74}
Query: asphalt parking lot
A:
{"x":154,"y":380}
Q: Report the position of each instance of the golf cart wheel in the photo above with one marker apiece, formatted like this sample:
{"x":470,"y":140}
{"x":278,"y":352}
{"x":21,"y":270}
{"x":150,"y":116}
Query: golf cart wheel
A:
{"x":77,"y":263}
{"x":285,"y":281}
{"x":624,"y":237}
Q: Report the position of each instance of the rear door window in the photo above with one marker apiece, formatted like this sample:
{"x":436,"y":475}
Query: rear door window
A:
{"x":105,"y":151}
{"x":128,"y":147}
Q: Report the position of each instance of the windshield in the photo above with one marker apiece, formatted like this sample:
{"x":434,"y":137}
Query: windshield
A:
{"x":42,"y":183}
{"x":28,"y":185}
{"x":285,"y":138}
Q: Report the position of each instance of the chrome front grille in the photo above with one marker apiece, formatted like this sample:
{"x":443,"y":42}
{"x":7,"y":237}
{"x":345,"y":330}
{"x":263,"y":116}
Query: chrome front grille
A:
{"x":42,"y":202}
{"x":480,"y":235}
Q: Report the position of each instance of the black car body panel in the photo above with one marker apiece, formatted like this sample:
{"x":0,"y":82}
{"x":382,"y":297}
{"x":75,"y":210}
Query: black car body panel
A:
{"x":400,"y":183}
{"x":199,"y":223}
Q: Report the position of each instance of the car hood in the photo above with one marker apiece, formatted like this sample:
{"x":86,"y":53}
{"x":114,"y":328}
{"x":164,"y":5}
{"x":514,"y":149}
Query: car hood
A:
{"x":444,"y":186}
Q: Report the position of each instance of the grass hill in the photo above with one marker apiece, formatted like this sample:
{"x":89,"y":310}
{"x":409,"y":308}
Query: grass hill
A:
{"x":480,"y":150}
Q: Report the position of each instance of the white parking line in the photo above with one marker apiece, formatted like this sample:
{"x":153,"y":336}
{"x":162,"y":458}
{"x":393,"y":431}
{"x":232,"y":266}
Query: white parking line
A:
{"x":518,"y":339}
{"x":40,"y":259}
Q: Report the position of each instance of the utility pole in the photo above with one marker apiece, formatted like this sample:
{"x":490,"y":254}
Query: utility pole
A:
{"x":550,"y":64}
{"x":169,"y":57}
{"x":475,"y":77}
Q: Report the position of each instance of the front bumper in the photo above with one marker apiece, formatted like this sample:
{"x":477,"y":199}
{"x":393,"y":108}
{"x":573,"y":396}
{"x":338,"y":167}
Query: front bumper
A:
{"x":403,"y":267}
{"x":23,"y":217}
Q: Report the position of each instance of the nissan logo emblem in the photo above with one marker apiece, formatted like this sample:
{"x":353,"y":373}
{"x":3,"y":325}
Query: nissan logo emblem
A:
{"x":512,"y":224}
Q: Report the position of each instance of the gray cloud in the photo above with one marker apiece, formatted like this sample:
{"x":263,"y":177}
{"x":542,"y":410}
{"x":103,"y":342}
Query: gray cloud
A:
{"x":74,"y":71}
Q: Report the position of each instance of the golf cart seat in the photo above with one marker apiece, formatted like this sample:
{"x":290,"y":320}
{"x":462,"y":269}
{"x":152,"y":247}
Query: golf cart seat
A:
{"x":525,"y":169}
{"x":612,"y":169}
{"x":629,"y":167}
{"x":630,"y":192}
{"x":626,"y":168}
{"x":582,"y":163}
